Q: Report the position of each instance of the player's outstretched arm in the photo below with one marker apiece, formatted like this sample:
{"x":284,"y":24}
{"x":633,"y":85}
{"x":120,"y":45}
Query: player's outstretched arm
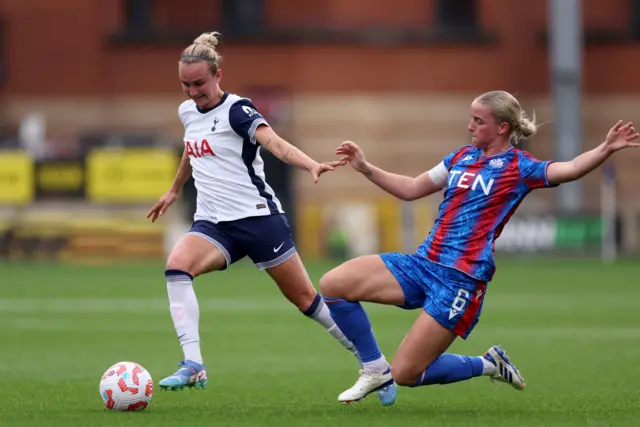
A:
{"x":401,"y":186}
{"x":291,"y":154}
{"x":618,"y":138}
{"x":183,"y":174}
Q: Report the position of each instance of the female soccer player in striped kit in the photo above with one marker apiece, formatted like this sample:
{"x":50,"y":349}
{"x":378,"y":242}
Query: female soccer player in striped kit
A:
{"x":238,"y":213}
{"x":484,"y":183}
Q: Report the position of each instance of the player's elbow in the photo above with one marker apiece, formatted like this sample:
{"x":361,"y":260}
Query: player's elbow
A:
{"x":275,"y":147}
{"x":407,"y":197}
{"x":266,"y":137}
{"x":416,"y":191}
{"x":572,"y":172}
{"x":570,"y":177}
{"x":409,"y":192}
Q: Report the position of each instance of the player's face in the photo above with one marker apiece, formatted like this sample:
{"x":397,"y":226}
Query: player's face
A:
{"x":483,"y":127}
{"x":198,"y":83}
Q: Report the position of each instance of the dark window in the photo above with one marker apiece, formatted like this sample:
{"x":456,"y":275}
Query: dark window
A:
{"x":635,"y":18}
{"x":137,"y":15}
{"x":457,"y":14}
{"x":2,"y":53}
{"x":243,"y":17}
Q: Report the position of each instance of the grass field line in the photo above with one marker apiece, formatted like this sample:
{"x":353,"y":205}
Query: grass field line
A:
{"x":134,"y":305}
{"x":510,"y":302}
{"x":529,"y":332}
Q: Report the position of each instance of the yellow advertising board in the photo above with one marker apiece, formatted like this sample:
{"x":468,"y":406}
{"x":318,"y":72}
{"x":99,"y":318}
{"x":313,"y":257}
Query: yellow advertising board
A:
{"x":16,"y":178}
{"x":129,"y":175}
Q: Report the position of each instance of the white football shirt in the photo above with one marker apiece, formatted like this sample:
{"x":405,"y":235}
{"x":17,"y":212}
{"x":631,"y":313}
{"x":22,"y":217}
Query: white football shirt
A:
{"x":227,"y":168}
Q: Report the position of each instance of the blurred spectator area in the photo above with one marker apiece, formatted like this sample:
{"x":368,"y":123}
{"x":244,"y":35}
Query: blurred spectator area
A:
{"x":396,"y":77}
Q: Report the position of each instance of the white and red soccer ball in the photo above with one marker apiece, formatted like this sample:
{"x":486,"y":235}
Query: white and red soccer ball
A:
{"x":126,"y":386}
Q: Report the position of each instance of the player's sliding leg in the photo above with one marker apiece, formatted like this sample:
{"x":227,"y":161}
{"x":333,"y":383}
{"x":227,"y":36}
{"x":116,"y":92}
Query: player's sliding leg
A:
{"x":191,"y":257}
{"x":425,"y":345}
{"x":363,"y":279}
{"x":451,"y":368}
{"x":294,"y":283}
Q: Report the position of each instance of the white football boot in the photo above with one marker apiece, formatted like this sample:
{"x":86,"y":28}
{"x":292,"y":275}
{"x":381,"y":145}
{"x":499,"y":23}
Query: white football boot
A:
{"x":505,"y":370}
{"x":367,"y":383}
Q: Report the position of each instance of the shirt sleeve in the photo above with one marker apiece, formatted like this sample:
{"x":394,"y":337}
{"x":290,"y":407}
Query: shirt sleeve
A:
{"x":181,"y":110}
{"x":245,"y":119}
{"x":534,"y":172}
{"x":452,"y":157}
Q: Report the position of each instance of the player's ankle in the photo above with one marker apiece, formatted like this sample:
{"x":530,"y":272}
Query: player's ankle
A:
{"x":378,"y":366}
{"x":488,"y":367}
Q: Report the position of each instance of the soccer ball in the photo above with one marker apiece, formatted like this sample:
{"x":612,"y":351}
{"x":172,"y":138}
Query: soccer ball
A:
{"x":126,"y":386}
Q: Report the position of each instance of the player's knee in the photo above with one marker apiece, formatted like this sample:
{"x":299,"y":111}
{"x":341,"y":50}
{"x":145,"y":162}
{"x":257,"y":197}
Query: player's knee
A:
{"x":182,"y":262}
{"x":339,"y":283}
{"x":300,"y":293}
{"x":330,"y":285}
{"x":404,"y":375}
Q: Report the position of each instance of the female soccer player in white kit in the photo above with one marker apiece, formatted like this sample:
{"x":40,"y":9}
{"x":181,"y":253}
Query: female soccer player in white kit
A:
{"x":237,"y":213}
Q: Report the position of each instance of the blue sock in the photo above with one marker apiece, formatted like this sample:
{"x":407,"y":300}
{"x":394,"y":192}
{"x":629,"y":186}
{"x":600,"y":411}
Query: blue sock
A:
{"x":319,"y":312}
{"x":354,"y":323}
{"x":451,"y":368}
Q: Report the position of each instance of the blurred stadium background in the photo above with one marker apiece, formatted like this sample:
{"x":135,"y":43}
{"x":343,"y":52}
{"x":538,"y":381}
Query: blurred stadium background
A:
{"x":90,"y":135}
{"x":90,"y":138}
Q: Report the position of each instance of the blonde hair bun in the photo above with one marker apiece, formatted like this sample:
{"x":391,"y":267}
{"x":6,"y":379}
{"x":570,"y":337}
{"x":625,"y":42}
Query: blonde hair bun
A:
{"x":209,"y":39}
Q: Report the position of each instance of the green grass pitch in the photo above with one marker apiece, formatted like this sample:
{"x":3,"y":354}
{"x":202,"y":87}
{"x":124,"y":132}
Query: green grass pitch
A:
{"x":572,"y":327}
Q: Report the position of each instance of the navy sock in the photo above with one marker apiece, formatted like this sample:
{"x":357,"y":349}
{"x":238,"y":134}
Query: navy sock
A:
{"x":450,"y":368}
{"x":312,"y":311}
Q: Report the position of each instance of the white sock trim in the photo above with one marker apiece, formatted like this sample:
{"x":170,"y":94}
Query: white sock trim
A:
{"x":378,"y":366}
{"x":488,"y":368}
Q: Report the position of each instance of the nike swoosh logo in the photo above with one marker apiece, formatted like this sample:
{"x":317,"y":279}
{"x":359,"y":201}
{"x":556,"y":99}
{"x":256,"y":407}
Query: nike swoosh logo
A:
{"x":278,"y":248}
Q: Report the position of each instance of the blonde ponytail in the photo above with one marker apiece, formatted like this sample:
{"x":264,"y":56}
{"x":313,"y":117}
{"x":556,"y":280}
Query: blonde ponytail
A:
{"x":524,"y":127}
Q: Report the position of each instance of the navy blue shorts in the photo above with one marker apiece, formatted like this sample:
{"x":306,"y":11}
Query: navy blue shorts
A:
{"x":267,"y":240}
{"x":451,"y":297}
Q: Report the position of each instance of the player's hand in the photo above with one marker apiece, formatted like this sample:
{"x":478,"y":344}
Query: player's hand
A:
{"x":162,"y":205}
{"x":320,"y":168}
{"x":620,"y":137}
{"x":353,"y":154}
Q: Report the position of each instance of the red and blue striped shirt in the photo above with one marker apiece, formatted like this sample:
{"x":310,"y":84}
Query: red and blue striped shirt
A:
{"x":480,"y":195}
